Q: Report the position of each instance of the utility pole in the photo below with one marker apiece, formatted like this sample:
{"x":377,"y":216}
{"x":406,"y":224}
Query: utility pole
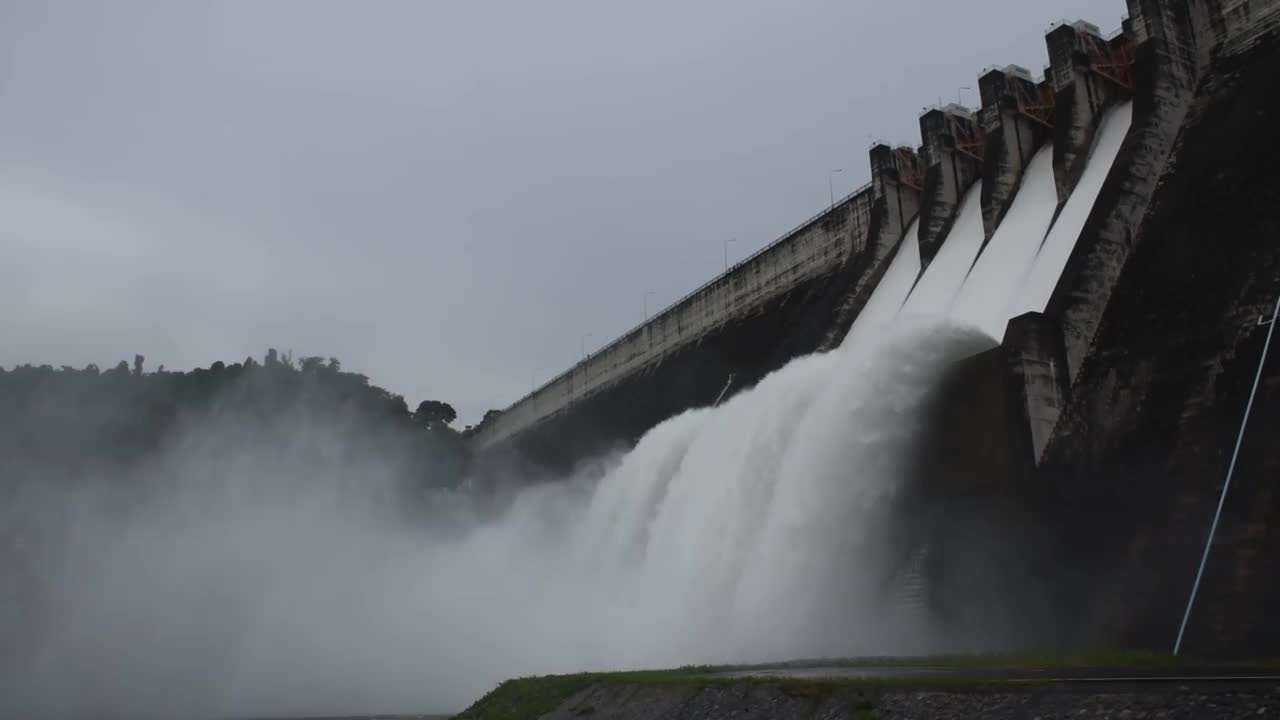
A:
{"x":1226,"y":485}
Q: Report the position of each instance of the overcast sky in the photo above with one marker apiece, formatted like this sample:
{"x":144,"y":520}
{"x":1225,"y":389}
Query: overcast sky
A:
{"x":447,"y":196}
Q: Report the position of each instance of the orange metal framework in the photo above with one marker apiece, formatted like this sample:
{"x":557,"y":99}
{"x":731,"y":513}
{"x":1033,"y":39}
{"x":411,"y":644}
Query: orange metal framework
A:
{"x":1113,"y":62}
{"x":971,"y":141}
{"x":1037,"y":104}
{"x":910,"y":173}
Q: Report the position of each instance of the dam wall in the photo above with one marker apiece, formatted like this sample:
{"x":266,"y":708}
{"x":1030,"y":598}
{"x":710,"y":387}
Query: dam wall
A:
{"x":803,"y":292}
{"x":816,"y":249}
{"x":1069,"y":476}
{"x":1017,"y":118}
{"x":1165,"y":352}
{"x":1173,"y":46}
{"x":953,"y":150}
{"x":820,"y":275}
{"x":1088,"y":73}
{"x":897,"y":179}
{"x":1097,"y":439}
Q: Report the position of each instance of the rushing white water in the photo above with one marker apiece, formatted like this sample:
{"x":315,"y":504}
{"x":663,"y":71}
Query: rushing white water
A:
{"x":894,"y":286}
{"x":749,"y":532}
{"x":943,"y":277}
{"x":1053,"y":255}
{"x":1002,"y":267}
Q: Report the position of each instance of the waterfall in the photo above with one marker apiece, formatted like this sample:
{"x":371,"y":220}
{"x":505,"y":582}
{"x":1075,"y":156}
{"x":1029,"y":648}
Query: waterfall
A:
{"x":1053,"y":254}
{"x":752,"y":531}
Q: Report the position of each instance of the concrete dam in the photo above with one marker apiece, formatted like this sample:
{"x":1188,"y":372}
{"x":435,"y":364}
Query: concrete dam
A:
{"x":1115,"y":226}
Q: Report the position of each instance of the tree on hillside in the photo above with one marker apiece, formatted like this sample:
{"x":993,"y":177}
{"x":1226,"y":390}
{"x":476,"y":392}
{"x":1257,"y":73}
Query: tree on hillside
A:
{"x":434,"y":413}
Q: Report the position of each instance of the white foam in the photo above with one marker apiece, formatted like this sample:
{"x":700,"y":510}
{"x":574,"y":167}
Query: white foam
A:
{"x":942,"y":279}
{"x":1002,"y":267}
{"x":748,"y":532}
{"x":894,"y":286}
{"x":1053,"y":255}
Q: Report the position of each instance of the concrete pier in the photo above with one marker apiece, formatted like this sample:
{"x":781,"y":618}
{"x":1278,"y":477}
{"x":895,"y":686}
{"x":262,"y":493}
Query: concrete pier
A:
{"x":1036,"y":361}
{"x":1083,"y":91}
{"x":953,"y":152}
{"x":897,"y":177}
{"x":1165,"y":75}
{"x":1017,"y":117}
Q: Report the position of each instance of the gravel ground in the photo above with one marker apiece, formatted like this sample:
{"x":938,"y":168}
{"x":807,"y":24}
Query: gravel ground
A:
{"x":761,"y":701}
{"x":1172,"y":703}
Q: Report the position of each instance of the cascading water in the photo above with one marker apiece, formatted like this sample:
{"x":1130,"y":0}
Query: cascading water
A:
{"x":752,"y":531}
{"x":748,"y":532}
{"x":1004,"y":263}
{"x":894,"y":286}
{"x":1052,"y":258}
{"x":942,"y":279}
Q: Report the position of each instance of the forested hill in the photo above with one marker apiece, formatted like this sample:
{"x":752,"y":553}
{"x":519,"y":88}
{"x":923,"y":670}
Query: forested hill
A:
{"x":69,"y":422}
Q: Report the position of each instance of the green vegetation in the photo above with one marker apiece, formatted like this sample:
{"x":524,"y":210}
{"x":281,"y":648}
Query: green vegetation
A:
{"x":66,"y":425}
{"x":527,"y":698}
{"x":87,"y":428}
{"x":532,"y":697}
{"x":84,"y":450}
{"x":1009,"y":661}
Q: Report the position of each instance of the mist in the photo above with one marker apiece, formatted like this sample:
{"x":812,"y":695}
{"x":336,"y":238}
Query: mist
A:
{"x":239,"y":573}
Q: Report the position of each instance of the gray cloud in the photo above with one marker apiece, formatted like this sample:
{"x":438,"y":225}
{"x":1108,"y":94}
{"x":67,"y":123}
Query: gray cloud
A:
{"x":446,"y":195}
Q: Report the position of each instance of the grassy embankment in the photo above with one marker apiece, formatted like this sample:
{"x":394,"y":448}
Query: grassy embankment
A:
{"x":531,"y":697}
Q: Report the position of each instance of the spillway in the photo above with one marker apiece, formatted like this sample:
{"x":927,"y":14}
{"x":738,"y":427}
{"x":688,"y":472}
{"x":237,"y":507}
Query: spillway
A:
{"x":692,"y":547}
{"x":1036,"y":289}
{"x":988,"y":291}
{"x":751,"y":531}
{"x":942,"y":279}
{"x":758,"y":530}
{"x":894,"y":286}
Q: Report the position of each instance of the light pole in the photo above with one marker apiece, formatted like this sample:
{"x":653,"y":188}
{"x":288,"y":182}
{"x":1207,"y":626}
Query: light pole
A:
{"x":726,"y":252}
{"x":584,"y":344}
{"x":831,"y":188}
{"x":646,"y":304}
{"x":1235,"y":454}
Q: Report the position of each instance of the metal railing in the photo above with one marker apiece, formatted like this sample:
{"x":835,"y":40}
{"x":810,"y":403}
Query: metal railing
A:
{"x":694,"y":293}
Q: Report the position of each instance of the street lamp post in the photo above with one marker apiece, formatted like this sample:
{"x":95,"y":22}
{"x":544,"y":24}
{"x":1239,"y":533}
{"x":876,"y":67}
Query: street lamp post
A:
{"x":646,"y":304}
{"x":726,"y":252}
{"x":584,"y":344}
{"x":831,"y":188}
